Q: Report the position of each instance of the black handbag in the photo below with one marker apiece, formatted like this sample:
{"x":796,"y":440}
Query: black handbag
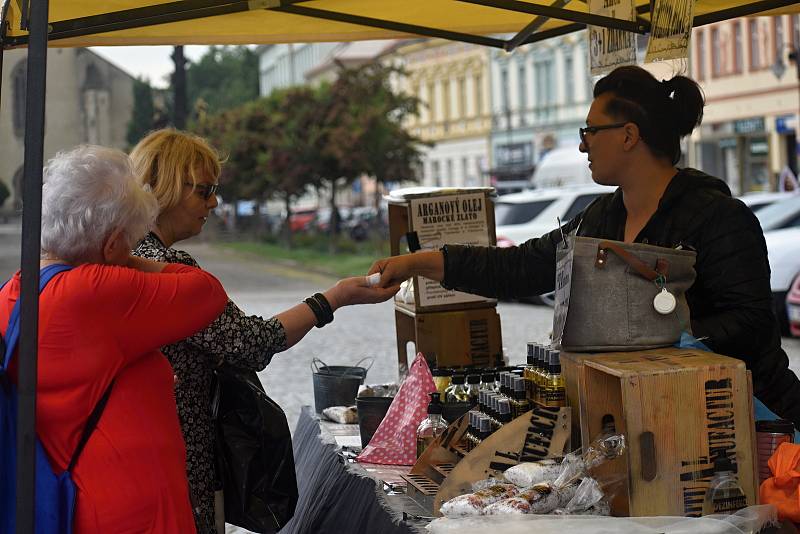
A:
{"x":254,"y":453}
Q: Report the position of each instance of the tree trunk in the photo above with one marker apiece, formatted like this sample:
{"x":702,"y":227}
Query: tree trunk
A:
{"x":287,"y":227}
{"x":179,"y":86}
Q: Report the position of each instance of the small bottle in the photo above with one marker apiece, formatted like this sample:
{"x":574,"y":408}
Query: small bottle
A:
{"x":487,"y":381}
{"x":556,"y":393}
{"x":473,"y":388}
{"x":521,"y":404}
{"x":441,"y":378}
{"x":724,"y":495}
{"x":530,"y":369}
{"x":504,"y":409}
{"x":457,"y":391}
{"x":540,"y":374}
{"x":431,"y":427}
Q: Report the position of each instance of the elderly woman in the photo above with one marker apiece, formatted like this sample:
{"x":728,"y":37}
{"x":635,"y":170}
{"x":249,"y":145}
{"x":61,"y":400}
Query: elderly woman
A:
{"x":103,"y":321}
{"x":182,"y":171}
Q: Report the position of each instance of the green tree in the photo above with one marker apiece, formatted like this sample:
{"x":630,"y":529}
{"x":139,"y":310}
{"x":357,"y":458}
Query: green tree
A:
{"x":223,"y":78}
{"x":142,"y":120}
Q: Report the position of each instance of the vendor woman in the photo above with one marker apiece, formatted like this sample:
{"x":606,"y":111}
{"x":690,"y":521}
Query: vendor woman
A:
{"x":632,"y":137}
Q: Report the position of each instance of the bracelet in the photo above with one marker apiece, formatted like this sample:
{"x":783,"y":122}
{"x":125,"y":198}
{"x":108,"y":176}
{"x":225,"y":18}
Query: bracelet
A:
{"x":321,"y":308}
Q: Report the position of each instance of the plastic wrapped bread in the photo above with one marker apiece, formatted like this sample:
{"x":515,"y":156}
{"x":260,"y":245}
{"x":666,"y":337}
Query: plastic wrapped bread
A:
{"x":473,"y":504}
{"x":529,"y":473}
{"x":541,"y":498}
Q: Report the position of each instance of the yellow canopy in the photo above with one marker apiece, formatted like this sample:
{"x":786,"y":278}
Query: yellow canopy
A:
{"x":153,"y":22}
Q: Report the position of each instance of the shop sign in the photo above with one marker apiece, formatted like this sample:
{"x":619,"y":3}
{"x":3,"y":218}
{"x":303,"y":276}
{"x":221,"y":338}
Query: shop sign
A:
{"x":785,"y":124}
{"x":759,"y":146}
{"x":442,"y":219}
{"x":730,"y":142}
{"x":671,"y":29}
{"x":609,"y":48}
{"x":746,"y":126}
{"x":514,"y":154}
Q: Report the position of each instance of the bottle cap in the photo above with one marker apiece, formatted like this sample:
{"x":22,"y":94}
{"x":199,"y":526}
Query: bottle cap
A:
{"x":778,"y":426}
{"x":487,"y":377}
{"x":458,"y":379}
{"x":442,"y":371}
{"x":435,"y":406}
{"x":473,"y":379}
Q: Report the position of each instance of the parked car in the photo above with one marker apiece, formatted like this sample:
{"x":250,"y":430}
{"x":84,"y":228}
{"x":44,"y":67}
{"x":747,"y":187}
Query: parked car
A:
{"x":300,"y":219}
{"x":793,"y":306}
{"x":781,"y":214}
{"x":521,"y":216}
{"x":761,"y":199}
{"x":783,"y":250}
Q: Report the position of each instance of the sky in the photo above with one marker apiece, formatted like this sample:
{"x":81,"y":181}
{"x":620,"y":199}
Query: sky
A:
{"x":152,"y":62}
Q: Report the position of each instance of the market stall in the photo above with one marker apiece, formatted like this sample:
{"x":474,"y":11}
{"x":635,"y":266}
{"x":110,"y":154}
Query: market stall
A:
{"x":39,"y":24}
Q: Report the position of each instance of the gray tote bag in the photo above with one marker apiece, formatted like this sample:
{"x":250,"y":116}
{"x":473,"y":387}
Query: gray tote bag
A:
{"x":606,"y":295}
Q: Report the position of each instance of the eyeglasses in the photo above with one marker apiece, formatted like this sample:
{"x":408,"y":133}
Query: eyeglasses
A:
{"x":204,"y":190}
{"x":594,"y":129}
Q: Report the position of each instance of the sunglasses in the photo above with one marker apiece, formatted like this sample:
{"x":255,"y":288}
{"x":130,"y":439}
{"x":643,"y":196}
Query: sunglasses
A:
{"x":594,"y":129}
{"x":204,"y":190}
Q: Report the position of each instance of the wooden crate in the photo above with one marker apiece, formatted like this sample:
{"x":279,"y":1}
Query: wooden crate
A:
{"x":678,"y":408}
{"x":450,"y":339}
{"x":463,"y":215}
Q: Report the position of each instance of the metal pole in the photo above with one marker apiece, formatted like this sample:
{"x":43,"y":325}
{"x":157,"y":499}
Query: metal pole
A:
{"x":31,"y":234}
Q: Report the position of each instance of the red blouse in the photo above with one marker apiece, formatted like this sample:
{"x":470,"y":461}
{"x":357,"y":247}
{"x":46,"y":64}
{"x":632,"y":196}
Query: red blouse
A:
{"x":98,"y":323}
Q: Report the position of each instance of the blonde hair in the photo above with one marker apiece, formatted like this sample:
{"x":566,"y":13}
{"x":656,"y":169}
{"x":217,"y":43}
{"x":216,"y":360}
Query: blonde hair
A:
{"x":164,"y":159}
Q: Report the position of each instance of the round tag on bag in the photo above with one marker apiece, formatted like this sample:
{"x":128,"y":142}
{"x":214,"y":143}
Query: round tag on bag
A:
{"x":664,"y":302}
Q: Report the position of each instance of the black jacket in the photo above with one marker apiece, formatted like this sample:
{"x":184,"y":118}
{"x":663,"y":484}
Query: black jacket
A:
{"x":730,"y":301}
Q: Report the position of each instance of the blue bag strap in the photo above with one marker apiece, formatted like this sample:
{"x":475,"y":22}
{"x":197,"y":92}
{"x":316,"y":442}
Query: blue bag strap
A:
{"x":12,"y":331}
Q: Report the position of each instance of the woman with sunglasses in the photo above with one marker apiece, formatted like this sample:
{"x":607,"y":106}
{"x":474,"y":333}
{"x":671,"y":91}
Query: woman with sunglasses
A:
{"x":181,"y":170}
{"x":632,"y":137}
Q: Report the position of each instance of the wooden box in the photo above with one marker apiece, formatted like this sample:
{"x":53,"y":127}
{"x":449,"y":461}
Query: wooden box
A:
{"x":435,"y":216}
{"x":678,"y":409}
{"x":450,"y":339}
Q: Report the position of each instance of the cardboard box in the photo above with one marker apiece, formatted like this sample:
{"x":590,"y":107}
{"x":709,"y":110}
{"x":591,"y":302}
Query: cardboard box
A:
{"x":678,"y":409}
{"x":435,"y":216}
{"x":450,"y":339}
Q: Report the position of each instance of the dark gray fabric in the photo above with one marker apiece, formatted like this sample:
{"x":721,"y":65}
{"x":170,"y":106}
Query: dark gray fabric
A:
{"x":612,"y":308}
{"x":335,"y":498}
{"x":730,"y":302}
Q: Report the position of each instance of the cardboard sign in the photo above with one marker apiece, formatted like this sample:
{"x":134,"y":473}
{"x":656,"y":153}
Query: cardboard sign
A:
{"x":671,"y":30}
{"x":438,"y":220}
{"x":563,"y":287}
{"x":610,"y":48}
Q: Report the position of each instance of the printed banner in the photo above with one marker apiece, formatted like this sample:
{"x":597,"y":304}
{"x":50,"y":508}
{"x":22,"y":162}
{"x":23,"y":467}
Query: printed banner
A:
{"x":445,"y":219}
{"x":563,"y":287}
{"x":610,"y":48}
{"x":670,"y":31}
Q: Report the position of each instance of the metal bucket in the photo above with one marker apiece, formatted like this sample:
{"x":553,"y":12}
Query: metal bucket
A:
{"x":337,"y":385}
{"x":371,"y":411}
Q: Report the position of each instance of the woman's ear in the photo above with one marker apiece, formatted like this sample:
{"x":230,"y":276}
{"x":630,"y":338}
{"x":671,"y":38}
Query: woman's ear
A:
{"x":116,"y":248}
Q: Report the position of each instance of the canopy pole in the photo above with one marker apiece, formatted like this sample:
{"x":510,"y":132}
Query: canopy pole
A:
{"x":3,"y":30}
{"x":31,"y":236}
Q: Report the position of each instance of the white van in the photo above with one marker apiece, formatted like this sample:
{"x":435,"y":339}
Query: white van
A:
{"x":562,"y":166}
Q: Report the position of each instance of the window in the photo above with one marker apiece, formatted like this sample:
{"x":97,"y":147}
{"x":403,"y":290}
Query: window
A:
{"x":794,"y":28}
{"x":569,"y":79}
{"x":450,"y":176}
{"x":504,"y":88}
{"x":508,"y":213}
{"x":755,"y":53}
{"x":578,"y":205}
{"x":738,"y":54}
{"x":777,"y":23}
{"x":462,"y":98}
{"x":716,"y":53}
{"x":18,"y":86}
{"x":432,"y":102}
{"x":447,"y":101}
{"x":479,"y":95}
{"x":700,"y":57}
{"x":436,"y":177}
{"x":522,"y":90}
{"x":465,"y":174}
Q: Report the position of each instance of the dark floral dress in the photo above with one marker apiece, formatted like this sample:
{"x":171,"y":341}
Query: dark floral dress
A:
{"x":245,"y":341}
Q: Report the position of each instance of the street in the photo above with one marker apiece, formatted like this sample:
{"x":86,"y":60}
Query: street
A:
{"x":265,"y":289}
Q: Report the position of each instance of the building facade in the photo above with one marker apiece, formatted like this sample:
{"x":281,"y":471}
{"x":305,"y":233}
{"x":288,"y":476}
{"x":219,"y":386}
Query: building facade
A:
{"x":540,"y":95}
{"x":286,"y":65}
{"x":89,"y":100}
{"x":451,"y":80}
{"x":749,"y":130}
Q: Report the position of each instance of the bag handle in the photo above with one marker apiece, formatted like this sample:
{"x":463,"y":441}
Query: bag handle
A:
{"x":662,"y":265}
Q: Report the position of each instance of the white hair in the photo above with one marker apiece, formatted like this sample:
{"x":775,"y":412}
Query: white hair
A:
{"x":89,"y":192}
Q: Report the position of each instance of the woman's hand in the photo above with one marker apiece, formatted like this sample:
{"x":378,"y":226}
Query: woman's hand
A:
{"x":396,"y":269}
{"x":356,"y":291}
